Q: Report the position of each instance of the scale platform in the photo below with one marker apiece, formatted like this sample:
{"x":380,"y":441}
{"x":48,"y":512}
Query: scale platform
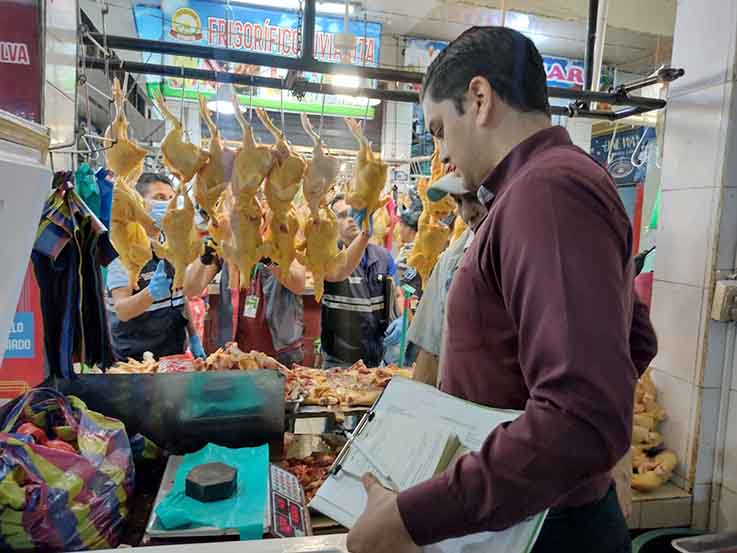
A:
{"x":286,"y":514}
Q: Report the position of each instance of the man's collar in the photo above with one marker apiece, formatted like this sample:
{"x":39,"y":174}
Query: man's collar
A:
{"x":520,"y":154}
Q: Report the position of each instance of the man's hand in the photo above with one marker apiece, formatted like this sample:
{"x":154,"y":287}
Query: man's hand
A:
{"x":380,"y":528}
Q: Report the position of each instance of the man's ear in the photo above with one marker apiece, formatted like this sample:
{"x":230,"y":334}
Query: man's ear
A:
{"x":483,"y":99}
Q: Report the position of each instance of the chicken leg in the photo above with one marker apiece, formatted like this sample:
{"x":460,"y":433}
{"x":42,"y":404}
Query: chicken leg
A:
{"x":182,"y":245}
{"x":124,"y":157}
{"x":245,"y":246}
{"x":321,"y":173}
{"x":319,"y":250}
{"x":211,"y":179}
{"x":369,"y":176}
{"x":182,"y":158}
{"x":282,"y":182}
{"x":252,"y":162}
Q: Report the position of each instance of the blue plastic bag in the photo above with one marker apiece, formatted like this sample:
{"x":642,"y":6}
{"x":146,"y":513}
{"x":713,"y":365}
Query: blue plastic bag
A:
{"x":244,"y":511}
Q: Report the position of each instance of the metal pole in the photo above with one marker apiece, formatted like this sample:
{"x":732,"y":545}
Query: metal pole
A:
{"x":588,"y":60}
{"x":308,"y":31}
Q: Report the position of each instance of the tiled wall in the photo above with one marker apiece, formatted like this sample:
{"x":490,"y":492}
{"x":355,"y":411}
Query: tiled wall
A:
{"x":697,"y":236}
{"x":60,"y":75}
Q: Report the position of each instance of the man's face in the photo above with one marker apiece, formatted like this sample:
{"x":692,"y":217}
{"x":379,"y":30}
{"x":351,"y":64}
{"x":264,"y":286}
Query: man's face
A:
{"x":347,"y":227}
{"x":455,"y":134}
{"x":160,"y":191}
{"x":471,"y":210}
{"x":406,"y":233}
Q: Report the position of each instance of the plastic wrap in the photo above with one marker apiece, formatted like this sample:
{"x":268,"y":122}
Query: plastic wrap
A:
{"x":183,"y":412}
{"x":54,"y":499}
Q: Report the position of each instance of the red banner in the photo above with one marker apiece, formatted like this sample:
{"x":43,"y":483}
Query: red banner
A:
{"x":20,"y":58}
{"x":23,"y":363}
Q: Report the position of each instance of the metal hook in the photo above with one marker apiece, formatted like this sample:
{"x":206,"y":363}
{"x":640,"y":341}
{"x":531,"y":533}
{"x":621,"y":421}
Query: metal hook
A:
{"x":283,"y":127}
{"x":322,"y":109}
{"x":181,"y":109}
{"x":250,"y":101}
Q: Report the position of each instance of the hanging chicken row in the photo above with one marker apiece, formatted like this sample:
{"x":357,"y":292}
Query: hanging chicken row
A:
{"x":227,"y":190}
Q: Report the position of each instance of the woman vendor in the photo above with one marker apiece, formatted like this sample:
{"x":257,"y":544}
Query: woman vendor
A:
{"x":154,"y":317}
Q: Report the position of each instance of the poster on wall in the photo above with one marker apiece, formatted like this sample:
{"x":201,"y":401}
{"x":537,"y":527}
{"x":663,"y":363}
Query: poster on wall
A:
{"x":23,"y":363}
{"x":20,"y":63}
{"x":263,"y":30}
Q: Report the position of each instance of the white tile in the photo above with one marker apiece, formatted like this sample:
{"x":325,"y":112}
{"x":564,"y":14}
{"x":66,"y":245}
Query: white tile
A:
{"x":729,"y":478}
{"x":666,"y":513}
{"x":710,"y":400}
{"x":676,"y":314}
{"x":694,"y":139}
{"x":676,"y":397}
{"x":704,"y":43}
{"x":727,"y":510}
{"x":58,"y":115}
{"x":701,"y":506}
{"x":727,"y":209}
{"x":61,"y":64}
{"x":715,"y":344}
{"x":685,"y":235}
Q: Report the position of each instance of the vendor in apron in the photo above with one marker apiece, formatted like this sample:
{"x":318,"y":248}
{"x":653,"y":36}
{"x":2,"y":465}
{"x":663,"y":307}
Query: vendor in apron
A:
{"x":267,"y":316}
{"x":154,"y":317}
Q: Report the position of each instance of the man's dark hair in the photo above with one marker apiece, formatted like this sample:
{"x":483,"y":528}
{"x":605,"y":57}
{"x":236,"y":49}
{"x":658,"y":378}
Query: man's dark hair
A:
{"x":506,"y":58}
{"x":146,"y":179}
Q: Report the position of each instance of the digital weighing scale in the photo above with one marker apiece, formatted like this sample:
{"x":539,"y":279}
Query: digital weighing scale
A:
{"x":286,"y":514}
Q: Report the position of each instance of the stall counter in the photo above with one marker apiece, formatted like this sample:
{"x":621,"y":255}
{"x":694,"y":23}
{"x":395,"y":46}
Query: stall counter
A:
{"x":314,"y":544}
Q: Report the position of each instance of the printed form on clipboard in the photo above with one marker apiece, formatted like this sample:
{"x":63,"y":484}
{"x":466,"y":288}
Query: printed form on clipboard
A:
{"x":412,"y":433}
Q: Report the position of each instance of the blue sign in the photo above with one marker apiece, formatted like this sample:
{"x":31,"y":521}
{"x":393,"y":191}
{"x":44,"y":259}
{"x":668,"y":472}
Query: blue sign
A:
{"x":255,"y":29}
{"x":619,"y":153}
{"x":20,"y":341}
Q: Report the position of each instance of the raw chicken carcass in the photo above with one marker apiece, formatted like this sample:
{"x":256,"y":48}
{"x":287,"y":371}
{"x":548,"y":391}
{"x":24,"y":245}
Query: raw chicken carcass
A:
{"x":280,"y":237}
{"x":184,"y":159}
{"x":369,"y":177}
{"x":129,"y":225}
{"x":124,"y":157}
{"x":382,"y":224}
{"x":182,"y":245}
{"x":432,"y":237}
{"x":652,"y":472}
{"x":252,"y":162}
{"x":245,"y":247}
{"x":319,"y":250}
{"x":321,"y":171}
{"x":459,"y":227}
{"x":282,"y":182}
{"x":212,"y":179}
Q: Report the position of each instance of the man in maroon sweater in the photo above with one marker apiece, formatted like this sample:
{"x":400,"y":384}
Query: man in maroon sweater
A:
{"x":541,"y":317}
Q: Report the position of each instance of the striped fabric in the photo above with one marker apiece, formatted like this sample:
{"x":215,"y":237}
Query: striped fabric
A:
{"x":58,"y":501}
{"x":360,"y":305}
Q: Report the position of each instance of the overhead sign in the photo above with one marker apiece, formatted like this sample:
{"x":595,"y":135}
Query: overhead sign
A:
{"x":20,"y":63}
{"x":257,"y":29}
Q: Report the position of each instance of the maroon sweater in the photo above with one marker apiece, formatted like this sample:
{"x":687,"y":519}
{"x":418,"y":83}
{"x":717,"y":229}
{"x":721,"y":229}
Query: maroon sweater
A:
{"x":541,"y":317}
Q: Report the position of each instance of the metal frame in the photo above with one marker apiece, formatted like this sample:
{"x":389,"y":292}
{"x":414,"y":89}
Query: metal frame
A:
{"x":580,"y":99}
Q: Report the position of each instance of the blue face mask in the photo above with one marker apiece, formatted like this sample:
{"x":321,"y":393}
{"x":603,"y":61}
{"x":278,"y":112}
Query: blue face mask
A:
{"x":158,"y":208}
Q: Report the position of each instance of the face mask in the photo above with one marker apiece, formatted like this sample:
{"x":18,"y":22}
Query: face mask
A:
{"x":158,"y":208}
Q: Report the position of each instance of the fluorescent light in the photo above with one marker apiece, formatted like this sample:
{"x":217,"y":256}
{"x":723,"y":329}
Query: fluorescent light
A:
{"x":517,"y":21}
{"x":337,"y":8}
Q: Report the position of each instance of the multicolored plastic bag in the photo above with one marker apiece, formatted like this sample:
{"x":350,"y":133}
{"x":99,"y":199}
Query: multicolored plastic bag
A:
{"x":55,"y":500}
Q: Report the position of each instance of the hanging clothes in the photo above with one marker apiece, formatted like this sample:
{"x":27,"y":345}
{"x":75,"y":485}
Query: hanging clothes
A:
{"x":71,"y":245}
{"x":86,"y":186}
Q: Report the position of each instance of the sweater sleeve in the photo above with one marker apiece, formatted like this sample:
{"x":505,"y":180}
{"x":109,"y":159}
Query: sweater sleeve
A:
{"x":560,"y":254}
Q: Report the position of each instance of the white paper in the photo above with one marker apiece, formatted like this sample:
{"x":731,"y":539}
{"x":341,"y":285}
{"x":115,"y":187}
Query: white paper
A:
{"x":427,"y":411}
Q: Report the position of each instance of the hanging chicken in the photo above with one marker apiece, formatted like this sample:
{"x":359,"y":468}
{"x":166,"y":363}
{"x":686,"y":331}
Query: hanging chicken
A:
{"x":446,"y":205}
{"x":245,"y":247}
{"x":212,"y":178}
{"x":219,"y":224}
{"x":252,"y":162}
{"x":183,"y":244}
{"x":282,"y":182}
{"x":124,"y":157}
{"x":369,"y":176}
{"x":184,"y":159}
{"x":319,"y":250}
{"x":130,"y":227}
{"x":459,"y":227}
{"x":280,"y":237}
{"x":322,"y":171}
{"x":432,"y":236}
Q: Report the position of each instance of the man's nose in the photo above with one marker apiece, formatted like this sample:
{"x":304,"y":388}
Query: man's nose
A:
{"x":444,"y":157}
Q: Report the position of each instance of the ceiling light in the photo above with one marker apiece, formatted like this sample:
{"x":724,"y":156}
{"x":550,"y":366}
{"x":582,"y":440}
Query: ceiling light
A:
{"x":517,"y":21}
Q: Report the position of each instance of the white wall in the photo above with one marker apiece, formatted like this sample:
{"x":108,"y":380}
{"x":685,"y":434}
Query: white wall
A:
{"x":697,"y":241}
